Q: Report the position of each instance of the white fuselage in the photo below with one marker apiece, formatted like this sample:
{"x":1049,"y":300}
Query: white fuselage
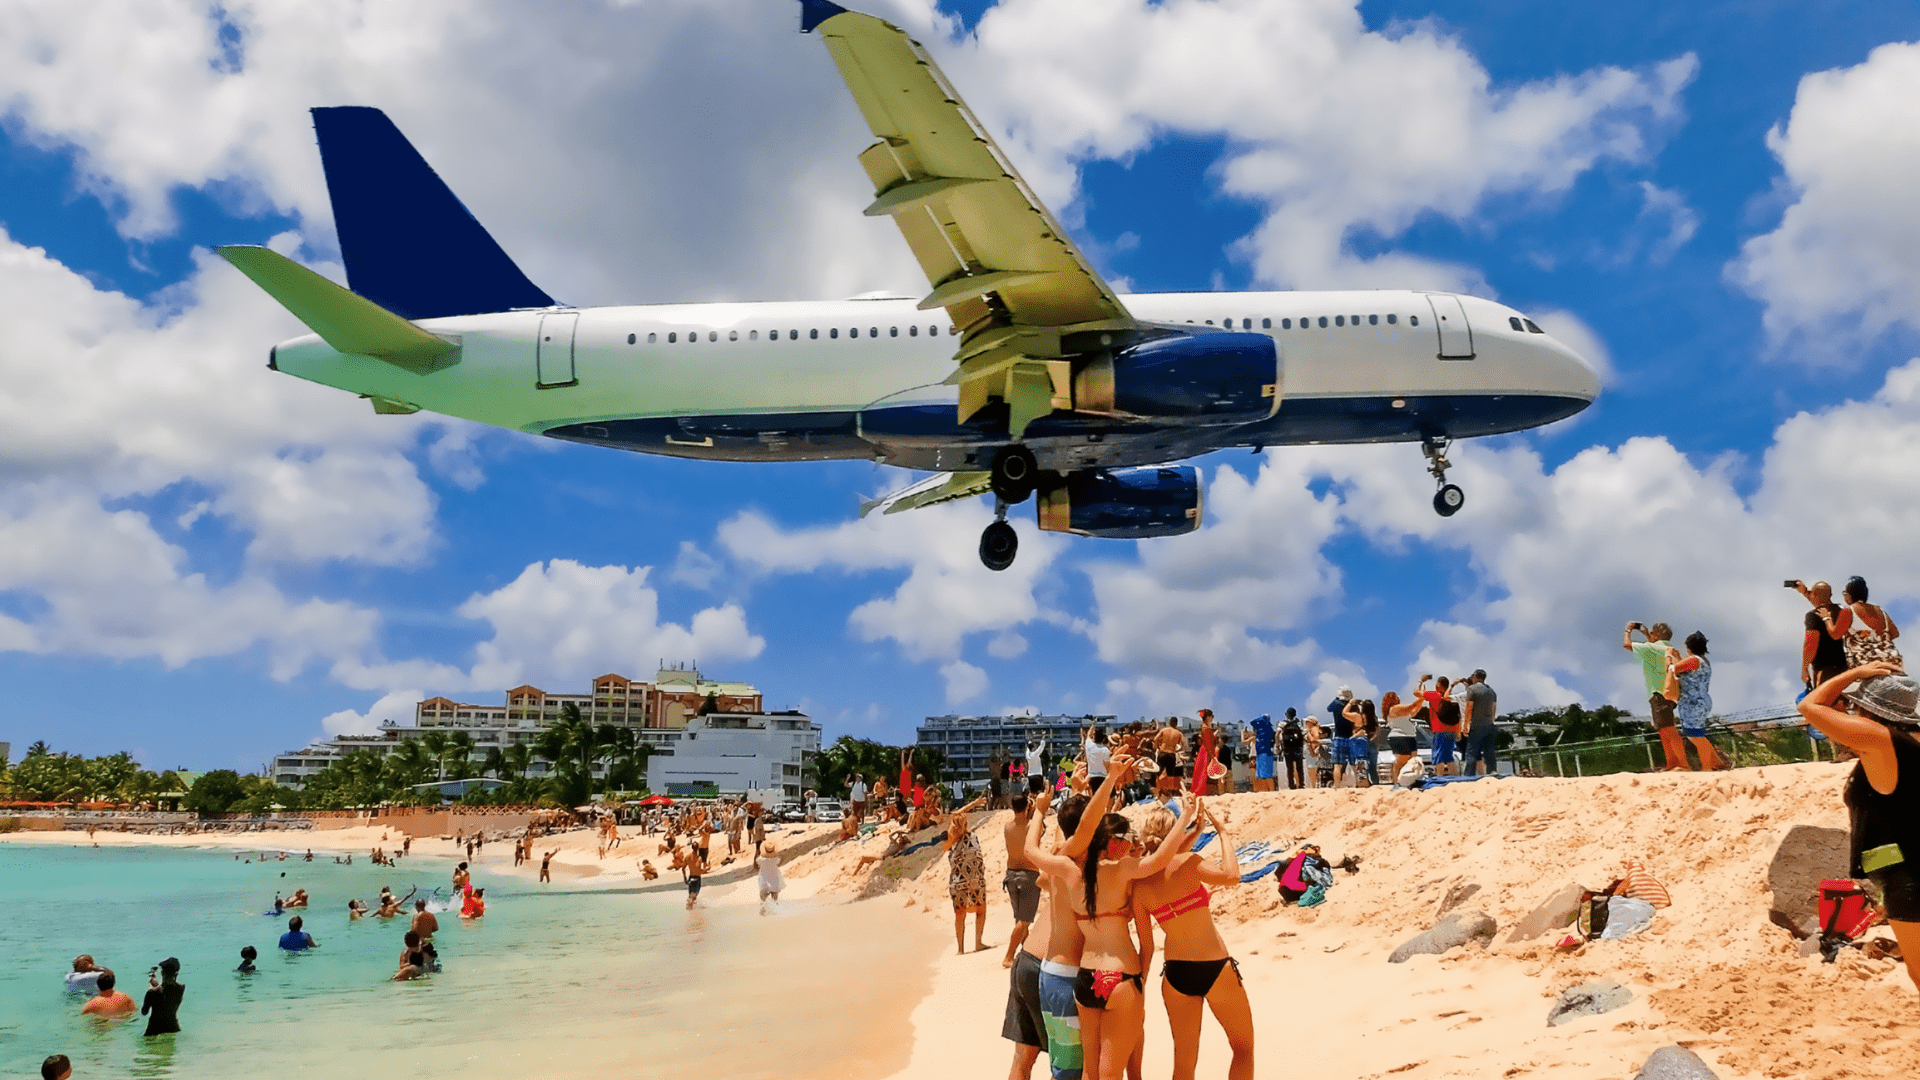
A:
{"x":738,"y":380}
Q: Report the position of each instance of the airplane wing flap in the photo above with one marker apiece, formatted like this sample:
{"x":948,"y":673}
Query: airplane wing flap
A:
{"x":934,"y":490}
{"x":971,"y":221}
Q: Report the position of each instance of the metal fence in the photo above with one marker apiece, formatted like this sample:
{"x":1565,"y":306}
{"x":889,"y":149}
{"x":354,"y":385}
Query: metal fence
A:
{"x":1773,"y":735}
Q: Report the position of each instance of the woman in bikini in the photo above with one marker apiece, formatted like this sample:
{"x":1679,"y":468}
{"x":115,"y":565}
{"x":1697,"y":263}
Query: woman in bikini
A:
{"x":1110,"y":986}
{"x":1197,"y":967}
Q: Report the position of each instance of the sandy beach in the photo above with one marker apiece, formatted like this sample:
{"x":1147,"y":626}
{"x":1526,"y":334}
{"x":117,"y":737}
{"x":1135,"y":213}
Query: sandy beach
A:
{"x":1711,"y":973}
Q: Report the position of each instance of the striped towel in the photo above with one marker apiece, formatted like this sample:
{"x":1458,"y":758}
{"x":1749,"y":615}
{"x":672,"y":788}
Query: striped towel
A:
{"x":1205,"y":839}
{"x":1642,"y":885}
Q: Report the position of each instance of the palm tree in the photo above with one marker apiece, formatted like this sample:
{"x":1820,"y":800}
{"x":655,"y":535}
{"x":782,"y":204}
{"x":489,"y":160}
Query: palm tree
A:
{"x":460,"y":750}
{"x":519,"y":758}
{"x":495,"y":763}
{"x":435,"y":742}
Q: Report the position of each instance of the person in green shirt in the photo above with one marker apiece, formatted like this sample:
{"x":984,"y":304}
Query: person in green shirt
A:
{"x":1654,"y":654}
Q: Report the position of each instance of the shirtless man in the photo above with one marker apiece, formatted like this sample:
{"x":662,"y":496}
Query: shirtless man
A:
{"x":1060,"y":966}
{"x":426,"y":926}
{"x":108,"y":1002}
{"x":1168,"y":746}
{"x":1022,"y":882}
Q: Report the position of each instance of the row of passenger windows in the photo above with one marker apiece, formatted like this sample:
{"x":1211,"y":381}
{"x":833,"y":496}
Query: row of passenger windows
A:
{"x":673,"y":336}
{"x":1324,"y":320}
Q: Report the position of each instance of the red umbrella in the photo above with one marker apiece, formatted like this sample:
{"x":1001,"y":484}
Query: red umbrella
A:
{"x":655,"y":800}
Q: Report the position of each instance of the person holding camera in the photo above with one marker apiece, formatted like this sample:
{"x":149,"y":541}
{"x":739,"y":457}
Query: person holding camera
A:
{"x":1656,"y":654}
{"x":162,"y":1004}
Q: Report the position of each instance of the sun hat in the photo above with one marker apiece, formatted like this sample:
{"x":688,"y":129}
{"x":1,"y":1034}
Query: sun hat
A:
{"x":1893,"y":698}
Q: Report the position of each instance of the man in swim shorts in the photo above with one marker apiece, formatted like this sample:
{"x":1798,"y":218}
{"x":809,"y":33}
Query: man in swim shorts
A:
{"x":108,"y":1002}
{"x":1022,"y":881}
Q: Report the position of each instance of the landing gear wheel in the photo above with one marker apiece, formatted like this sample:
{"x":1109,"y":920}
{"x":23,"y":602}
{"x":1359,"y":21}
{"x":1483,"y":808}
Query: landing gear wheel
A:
{"x":1015,"y":472}
{"x":1448,"y":500}
{"x":998,"y":545}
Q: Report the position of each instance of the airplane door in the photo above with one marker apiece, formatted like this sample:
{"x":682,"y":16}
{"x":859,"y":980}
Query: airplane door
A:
{"x":553,"y":353}
{"x":1450,"y":320}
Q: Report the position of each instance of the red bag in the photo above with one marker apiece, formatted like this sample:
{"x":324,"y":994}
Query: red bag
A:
{"x":1845,"y":911}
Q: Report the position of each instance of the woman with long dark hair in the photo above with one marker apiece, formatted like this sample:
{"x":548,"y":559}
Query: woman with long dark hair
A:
{"x":1874,"y":711}
{"x":1109,"y":988}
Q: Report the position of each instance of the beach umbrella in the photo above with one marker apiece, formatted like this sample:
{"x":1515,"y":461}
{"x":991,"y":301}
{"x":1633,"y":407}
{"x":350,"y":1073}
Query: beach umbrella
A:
{"x":655,"y":800}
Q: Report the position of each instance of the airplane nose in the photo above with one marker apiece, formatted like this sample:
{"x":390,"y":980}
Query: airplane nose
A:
{"x":1575,"y":374}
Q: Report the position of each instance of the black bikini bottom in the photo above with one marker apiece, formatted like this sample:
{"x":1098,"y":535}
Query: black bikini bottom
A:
{"x":1195,"y":978}
{"x":1089,"y":995}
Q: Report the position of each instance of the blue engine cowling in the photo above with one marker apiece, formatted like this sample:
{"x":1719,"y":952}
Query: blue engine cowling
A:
{"x":1198,"y":379}
{"x":1124,"y":504}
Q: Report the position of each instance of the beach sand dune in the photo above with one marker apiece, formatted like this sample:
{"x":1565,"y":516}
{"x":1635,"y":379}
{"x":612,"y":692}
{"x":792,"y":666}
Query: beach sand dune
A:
{"x":1711,"y":973}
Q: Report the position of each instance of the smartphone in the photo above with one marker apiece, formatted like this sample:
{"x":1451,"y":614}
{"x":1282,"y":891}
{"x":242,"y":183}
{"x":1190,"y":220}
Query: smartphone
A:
{"x":1792,"y":583}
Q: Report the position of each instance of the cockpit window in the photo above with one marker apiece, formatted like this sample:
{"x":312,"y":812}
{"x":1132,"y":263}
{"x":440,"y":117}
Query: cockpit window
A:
{"x":1514,"y":322}
{"x":1531,"y":328}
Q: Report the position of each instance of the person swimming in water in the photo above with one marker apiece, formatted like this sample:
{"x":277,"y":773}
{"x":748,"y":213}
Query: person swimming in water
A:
{"x":298,"y":899}
{"x":107,"y":1002}
{"x":355,"y":910}
{"x":413,"y":960}
{"x":279,"y":905}
{"x":474,"y":905}
{"x":248,"y":954}
{"x":84,"y":972}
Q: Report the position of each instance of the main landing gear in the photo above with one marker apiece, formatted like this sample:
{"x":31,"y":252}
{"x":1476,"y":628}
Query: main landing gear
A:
{"x":1013,"y":477}
{"x":1449,"y":499}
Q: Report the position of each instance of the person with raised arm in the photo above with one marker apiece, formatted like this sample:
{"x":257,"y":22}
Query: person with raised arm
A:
{"x":1108,"y":987}
{"x":1194,"y":972}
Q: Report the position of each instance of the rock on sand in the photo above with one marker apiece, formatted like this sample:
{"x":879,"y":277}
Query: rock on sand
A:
{"x":1590,"y":998}
{"x":1808,"y":856}
{"x":1675,"y":1063}
{"x":1452,"y":932}
{"x":1559,"y":910}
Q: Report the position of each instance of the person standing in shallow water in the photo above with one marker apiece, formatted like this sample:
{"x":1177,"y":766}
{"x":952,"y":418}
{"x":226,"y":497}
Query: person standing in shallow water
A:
{"x":164,"y":991}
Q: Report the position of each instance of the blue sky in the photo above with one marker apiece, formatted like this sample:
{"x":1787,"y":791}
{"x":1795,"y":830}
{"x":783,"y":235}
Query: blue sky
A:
{"x":208,"y":562}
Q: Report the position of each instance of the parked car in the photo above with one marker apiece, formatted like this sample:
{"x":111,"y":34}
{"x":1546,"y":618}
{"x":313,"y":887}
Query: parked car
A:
{"x":787,"y":811}
{"x":828,"y":810}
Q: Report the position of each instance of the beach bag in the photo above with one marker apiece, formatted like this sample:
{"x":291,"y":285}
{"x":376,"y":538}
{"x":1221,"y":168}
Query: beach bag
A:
{"x":1412,"y":774}
{"x":1671,"y":691}
{"x":1592,"y":919}
{"x":1846,"y":912}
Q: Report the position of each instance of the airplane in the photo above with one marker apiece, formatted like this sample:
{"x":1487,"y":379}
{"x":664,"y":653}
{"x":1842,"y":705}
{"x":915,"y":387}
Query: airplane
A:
{"x":1020,"y":374}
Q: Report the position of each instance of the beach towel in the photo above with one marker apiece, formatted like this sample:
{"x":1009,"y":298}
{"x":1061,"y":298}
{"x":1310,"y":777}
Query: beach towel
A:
{"x":1205,"y":839}
{"x":1436,"y":781}
{"x":1642,"y":885}
{"x":1626,"y":916}
{"x":1260,"y":873}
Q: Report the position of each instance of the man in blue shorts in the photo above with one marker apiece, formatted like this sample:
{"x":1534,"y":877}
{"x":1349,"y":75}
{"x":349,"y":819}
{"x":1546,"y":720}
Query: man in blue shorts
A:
{"x":1443,"y":719}
{"x":1342,"y":733}
{"x":1262,"y":726}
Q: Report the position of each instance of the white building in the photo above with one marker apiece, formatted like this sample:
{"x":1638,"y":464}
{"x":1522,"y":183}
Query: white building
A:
{"x":737,"y":753}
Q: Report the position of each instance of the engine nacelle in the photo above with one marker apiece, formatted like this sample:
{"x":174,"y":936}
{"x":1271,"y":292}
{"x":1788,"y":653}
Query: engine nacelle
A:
{"x":1125,"y":504}
{"x":1198,"y":379}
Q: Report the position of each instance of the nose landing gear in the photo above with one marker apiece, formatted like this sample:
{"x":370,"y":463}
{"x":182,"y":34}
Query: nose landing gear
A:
{"x":1449,"y":499}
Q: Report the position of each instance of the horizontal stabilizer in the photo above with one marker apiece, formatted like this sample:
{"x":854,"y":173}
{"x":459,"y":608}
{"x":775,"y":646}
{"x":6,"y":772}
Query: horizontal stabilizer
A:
{"x":349,"y":323}
{"x":936,"y":489}
{"x":409,"y":244}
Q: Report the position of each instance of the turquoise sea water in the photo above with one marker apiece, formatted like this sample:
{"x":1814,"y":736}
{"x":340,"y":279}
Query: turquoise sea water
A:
{"x":555,"y":980}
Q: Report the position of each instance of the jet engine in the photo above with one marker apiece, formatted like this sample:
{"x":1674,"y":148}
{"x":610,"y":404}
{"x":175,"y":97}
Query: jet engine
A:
{"x":1124,"y":504}
{"x":1196,"y":379}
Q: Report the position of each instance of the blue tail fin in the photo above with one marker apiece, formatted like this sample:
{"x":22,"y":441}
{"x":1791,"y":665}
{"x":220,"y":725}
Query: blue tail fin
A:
{"x":410,"y":245}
